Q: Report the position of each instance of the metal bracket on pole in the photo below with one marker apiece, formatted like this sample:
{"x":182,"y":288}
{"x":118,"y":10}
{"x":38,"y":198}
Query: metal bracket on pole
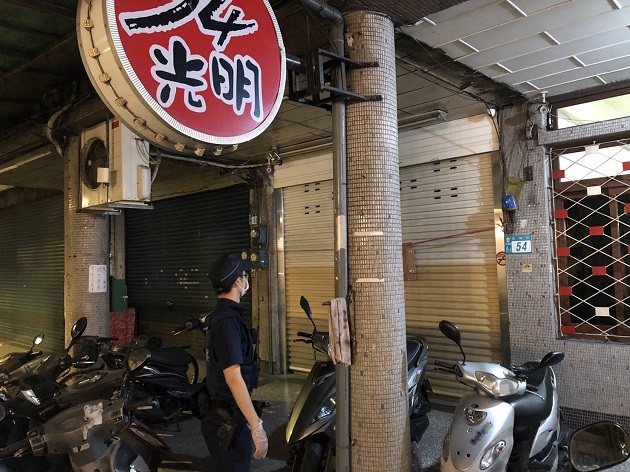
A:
{"x":319,"y":92}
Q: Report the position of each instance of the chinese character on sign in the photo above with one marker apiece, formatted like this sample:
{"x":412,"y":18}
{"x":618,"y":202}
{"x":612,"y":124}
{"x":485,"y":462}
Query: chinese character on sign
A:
{"x":237,"y":82}
{"x":211,"y":17}
{"x":176,"y":68}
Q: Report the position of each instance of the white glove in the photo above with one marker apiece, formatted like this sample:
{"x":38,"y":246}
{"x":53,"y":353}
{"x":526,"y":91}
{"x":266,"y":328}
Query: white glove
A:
{"x":261,"y":442}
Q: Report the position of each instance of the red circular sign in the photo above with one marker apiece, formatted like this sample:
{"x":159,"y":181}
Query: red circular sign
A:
{"x":212,"y":69}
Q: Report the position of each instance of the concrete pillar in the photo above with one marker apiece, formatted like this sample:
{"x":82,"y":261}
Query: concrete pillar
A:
{"x":379,"y":428}
{"x":86,"y":244}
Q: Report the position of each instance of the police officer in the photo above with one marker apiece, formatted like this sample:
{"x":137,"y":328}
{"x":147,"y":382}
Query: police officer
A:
{"x":232,"y":423}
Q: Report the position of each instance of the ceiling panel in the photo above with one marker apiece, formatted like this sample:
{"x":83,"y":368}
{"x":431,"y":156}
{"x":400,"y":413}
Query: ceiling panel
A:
{"x":541,"y":71}
{"x":555,"y":45}
{"x":588,"y":71}
{"x":605,"y":54}
{"x":524,"y":27}
{"x":505,"y":51}
{"x":591,"y":25}
{"x":592,"y":43}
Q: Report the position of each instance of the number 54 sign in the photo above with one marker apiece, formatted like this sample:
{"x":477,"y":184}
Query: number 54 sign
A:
{"x":520,"y":244}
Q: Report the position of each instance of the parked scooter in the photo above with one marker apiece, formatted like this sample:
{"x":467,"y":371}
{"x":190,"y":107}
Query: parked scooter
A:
{"x":168,"y":375}
{"x":311,"y":427}
{"x":39,"y":389}
{"x":13,"y":360}
{"x":43,"y":370}
{"x":97,"y":435}
{"x":511,"y":423}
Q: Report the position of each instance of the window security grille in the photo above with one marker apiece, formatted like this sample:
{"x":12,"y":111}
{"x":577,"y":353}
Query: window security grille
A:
{"x":591,"y":198}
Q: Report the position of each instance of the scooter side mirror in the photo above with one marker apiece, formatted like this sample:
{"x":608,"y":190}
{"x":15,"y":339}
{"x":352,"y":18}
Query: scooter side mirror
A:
{"x":598,"y":446}
{"x":305,"y":306}
{"x":38,"y":339}
{"x":551,"y":358}
{"x":78,"y":328}
{"x":307,"y":309}
{"x":451,"y":331}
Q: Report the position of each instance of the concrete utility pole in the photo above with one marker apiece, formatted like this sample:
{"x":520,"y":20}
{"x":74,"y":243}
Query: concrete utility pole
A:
{"x":379,"y":429}
{"x":86,"y":244}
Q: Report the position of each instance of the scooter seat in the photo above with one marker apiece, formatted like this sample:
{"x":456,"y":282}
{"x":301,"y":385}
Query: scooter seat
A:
{"x":413,"y":351}
{"x":530,"y":409}
{"x":171,"y":356}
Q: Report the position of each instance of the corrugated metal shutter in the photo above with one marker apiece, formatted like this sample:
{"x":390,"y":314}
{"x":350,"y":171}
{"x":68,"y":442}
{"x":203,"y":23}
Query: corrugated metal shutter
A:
{"x":309,"y":262}
{"x":32,"y":272}
{"x":169,"y":250}
{"x":446,"y":189}
{"x":448,"y":212}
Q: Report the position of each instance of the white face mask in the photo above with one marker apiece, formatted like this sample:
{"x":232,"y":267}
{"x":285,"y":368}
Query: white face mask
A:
{"x":244,"y":290}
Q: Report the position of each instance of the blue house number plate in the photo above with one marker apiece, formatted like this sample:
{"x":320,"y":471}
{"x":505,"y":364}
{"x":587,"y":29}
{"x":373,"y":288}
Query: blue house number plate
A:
{"x":520,"y":244}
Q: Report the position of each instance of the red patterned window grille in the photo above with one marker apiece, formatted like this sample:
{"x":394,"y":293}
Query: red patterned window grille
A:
{"x":591,"y":198}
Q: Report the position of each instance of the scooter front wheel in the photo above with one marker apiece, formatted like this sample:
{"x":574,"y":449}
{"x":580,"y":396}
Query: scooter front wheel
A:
{"x":313,"y":456}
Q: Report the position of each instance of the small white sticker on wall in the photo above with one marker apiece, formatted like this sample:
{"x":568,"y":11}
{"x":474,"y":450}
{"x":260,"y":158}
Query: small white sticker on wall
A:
{"x":594,"y":190}
{"x":602,"y":311}
{"x":98,"y":279}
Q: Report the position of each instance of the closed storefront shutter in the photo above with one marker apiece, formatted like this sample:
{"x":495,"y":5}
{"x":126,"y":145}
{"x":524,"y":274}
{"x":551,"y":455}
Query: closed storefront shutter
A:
{"x":169,"y":250}
{"x":309,"y":263}
{"x":447,"y":214}
{"x":32,"y":272}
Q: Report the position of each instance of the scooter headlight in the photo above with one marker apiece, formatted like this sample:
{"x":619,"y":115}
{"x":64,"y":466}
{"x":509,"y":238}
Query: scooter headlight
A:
{"x":491,"y":455}
{"x":446,"y":446}
{"x":31,"y":397}
{"x":327,"y":409}
{"x":497,"y":387}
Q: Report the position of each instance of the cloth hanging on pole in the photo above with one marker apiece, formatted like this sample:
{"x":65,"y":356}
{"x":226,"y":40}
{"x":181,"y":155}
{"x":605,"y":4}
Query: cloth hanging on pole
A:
{"x":339,"y":332}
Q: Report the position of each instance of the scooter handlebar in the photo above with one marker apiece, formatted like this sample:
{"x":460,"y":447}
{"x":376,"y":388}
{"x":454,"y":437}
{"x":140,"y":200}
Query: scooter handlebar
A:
{"x":305,"y":335}
{"x":189,"y":325}
{"x":445,"y":366}
{"x":13,"y":449}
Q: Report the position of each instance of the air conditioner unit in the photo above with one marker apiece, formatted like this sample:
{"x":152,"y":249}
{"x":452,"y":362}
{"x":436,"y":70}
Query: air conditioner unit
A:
{"x":115,"y":168}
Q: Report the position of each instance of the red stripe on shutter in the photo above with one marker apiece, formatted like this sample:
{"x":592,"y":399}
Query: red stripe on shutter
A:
{"x":599,"y":270}
{"x":559,"y":214}
{"x":567,"y":329}
{"x":558,"y":174}
{"x":596,"y":230}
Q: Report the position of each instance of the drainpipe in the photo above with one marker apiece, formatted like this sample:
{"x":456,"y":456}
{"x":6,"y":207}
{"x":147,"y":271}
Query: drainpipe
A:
{"x":342,"y":427}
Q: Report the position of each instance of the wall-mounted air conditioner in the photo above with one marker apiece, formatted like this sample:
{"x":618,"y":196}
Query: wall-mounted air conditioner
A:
{"x":115,"y":168}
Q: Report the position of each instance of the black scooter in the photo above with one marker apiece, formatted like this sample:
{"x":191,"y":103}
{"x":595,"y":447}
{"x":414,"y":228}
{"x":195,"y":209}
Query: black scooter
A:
{"x":13,"y":360}
{"x":311,"y":427}
{"x":168,"y":375}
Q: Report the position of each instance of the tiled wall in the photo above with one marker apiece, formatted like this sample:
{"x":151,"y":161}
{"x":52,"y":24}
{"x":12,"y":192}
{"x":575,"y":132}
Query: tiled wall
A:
{"x":594,"y":378}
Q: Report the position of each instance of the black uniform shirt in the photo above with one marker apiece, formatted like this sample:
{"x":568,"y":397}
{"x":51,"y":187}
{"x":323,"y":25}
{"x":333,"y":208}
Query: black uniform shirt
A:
{"x":229,"y":343}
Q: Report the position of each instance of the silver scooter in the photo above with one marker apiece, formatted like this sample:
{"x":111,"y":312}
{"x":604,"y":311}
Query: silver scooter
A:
{"x":511,"y":423}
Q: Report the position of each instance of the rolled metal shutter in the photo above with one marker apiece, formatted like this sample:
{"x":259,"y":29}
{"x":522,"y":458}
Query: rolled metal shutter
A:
{"x":309,"y":263}
{"x":32,"y":272}
{"x":448,"y":213}
{"x":169,"y":250}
